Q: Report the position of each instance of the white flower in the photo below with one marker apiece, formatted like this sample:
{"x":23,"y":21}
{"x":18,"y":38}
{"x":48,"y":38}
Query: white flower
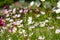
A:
{"x":32,"y":3}
{"x":14,"y":16}
{"x":42,"y":12}
{"x":46,"y":20}
{"x":7,"y":15}
{"x":42,"y":0}
{"x":30,"y":20}
{"x":38,"y":15}
{"x":9,"y":38}
{"x":58,"y":17}
{"x":25,"y":11}
{"x":7,"y":19}
{"x":23,"y":31}
{"x":18,"y":23}
{"x":14,"y":23}
{"x":18,"y":15}
{"x":6,"y":11}
{"x":32,"y":27}
{"x":28,"y":39}
{"x":14,"y":10}
{"x":41,"y":37}
{"x":51,"y":27}
{"x":58,"y":4}
{"x":10,"y":10}
{"x":57,"y":31}
{"x":14,"y":30}
{"x":21,"y":11}
{"x":21,"y":21}
{"x":42,"y":24}
{"x":11,"y":20}
{"x":58,"y":11}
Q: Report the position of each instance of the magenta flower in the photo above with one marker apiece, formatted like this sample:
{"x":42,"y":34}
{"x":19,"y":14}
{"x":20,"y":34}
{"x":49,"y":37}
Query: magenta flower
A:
{"x":6,"y":7}
{"x":2,"y":23}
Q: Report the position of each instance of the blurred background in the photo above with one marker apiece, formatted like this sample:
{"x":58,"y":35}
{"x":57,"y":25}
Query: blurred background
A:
{"x":9,"y":2}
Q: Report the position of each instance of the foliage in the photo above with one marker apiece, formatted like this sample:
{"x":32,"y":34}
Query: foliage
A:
{"x":5,"y":2}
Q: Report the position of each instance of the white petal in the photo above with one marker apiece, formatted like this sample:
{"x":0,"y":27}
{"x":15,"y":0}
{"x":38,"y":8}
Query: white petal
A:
{"x":32,"y":3}
{"x":42,"y":12}
{"x":41,"y":37}
{"x":58,"y":4}
{"x":57,"y":31}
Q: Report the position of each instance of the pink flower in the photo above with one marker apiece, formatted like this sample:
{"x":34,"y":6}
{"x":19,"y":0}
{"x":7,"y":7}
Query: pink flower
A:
{"x":10,"y":30}
{"x":23,"y":11}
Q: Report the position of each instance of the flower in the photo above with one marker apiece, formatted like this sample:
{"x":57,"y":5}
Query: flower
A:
{"x":42,"y":0}
{"x":14,"y":29}
{"x":30,"y":20}
{"x":18,"y":15}
{"x":14,"y":10}
{"x":46,"y":20}
{"x":7,"y":19}
{"x":51,"y":27}
{"x":21,"y":11}
{"x":9,"y":30}
{"x":7,"y":15}
{"x":32,"y":3}
{"x":9,"y":38}
{"x":42,"y":24}
{"x":14,"y":16}
{"x":25,"y":11}
{"x":57,"y":31}
{"x":42,"y":12}
{"x":41,"y":37}
{"x":58,"y":11}
{"x":6,"y":6}
{"x":38,"y":15}
{"x":58,"y":4}
{"x":58,"y":17}
{"x":6,"y":11}
{"x":23,"y":31}
{"x":11,"y":20}
{"x":2,"y":23}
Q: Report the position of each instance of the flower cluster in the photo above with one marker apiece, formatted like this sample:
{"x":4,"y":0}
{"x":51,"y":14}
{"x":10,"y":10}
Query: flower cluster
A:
{"x":32,"y":23}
